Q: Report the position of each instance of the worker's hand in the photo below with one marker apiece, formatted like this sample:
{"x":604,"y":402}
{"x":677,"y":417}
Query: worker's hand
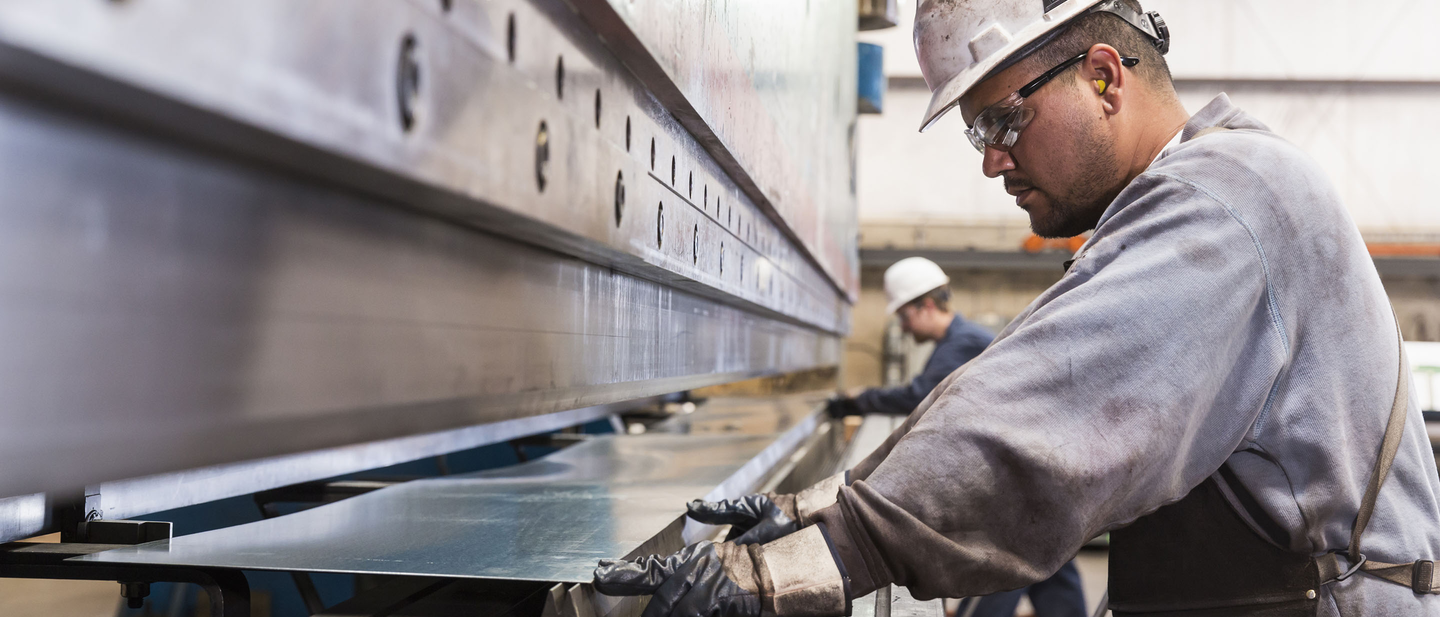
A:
{"x":758,"y":519}
{"x":704,"y":579}
{"x":795,"y":576}
{"x":842,"y":406}
{"x":753,"y":519}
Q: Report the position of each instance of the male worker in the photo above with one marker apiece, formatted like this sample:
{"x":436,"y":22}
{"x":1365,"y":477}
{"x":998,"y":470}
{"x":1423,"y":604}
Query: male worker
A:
{"x":917,"y":292}
{"x":1217,"y":379}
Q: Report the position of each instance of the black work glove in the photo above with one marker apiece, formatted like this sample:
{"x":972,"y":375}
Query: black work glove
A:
{"x":753,"y":519}
{"x":758,"y":519}
{"x":842,"y":406}
{"x":795,"y":576}
{"x":702,"y":580}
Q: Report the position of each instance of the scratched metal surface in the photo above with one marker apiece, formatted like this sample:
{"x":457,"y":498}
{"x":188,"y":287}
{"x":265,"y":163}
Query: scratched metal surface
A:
{"x":546,"y":520}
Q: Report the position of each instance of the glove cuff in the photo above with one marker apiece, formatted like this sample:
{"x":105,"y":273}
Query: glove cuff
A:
{"x":801,"y":576}
{"x":818,"y":497}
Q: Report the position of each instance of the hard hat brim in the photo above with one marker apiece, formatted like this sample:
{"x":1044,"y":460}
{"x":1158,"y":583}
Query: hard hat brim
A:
{"x":899,"y":302}
{"x":947,"y":95}
{"x":895,"y":306}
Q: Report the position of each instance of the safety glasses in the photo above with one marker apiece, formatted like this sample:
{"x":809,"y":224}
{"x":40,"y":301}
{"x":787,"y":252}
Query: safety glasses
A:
{"x":998,"y":126}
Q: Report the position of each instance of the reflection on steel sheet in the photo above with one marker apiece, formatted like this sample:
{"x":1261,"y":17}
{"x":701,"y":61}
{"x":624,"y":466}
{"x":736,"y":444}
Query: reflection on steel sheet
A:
{"x":546,"y":520}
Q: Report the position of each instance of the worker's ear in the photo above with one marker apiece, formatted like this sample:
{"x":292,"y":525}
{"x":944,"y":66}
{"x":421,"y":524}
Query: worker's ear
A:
{"x":1105,"y":72}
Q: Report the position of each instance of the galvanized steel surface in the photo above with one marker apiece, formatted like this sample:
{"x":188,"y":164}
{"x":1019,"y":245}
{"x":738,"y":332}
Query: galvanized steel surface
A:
{"x":165,"y":309}
{"x":546,"y":520}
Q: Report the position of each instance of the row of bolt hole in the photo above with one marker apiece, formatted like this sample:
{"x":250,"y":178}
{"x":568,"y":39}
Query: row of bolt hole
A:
{"x":408,"y":87}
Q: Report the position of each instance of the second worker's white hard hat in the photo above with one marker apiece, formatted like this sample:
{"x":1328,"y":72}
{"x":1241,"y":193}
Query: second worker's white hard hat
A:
{"x":959,"y":43}
{"x":909,"y":279}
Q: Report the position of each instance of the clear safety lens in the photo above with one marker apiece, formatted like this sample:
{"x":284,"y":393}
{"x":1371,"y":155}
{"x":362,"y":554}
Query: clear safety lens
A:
{"x":999,"y":125}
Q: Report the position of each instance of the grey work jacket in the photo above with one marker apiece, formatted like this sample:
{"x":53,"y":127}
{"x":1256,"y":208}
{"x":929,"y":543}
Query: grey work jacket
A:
{"x":1225,"y":311}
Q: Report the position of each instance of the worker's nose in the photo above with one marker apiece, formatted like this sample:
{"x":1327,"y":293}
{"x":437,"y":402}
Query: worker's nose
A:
{"x":996,"y":162}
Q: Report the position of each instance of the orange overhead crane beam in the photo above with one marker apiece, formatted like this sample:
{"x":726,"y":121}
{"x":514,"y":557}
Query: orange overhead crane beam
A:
{"x":1387,"y":249}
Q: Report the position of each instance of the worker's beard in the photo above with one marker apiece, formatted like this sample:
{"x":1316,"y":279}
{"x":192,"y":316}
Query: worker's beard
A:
{"x":1078,"y":209}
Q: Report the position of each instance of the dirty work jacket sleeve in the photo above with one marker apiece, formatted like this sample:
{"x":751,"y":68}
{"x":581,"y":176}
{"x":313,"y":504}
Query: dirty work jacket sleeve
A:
{"x":1117,"y":391}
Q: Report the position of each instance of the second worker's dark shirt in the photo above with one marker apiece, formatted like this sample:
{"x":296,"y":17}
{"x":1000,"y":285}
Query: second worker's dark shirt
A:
{"x":963,"y":340}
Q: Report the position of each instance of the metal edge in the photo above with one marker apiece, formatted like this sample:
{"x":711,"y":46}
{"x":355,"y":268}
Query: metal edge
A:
{"x":128,"y":498}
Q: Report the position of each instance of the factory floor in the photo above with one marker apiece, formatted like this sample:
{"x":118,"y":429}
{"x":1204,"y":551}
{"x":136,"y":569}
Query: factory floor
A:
{"x":44,"y":598}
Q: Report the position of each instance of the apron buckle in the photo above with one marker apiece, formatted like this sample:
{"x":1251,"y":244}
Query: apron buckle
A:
{"x":1423,"y":576}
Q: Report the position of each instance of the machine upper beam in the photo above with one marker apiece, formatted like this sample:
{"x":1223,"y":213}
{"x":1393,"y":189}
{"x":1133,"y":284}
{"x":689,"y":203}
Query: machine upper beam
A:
{"x":244,"y":229}
{"x":509,"y":115}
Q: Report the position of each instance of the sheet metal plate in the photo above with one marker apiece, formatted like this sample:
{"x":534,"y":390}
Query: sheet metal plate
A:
{"x":546,"y":520}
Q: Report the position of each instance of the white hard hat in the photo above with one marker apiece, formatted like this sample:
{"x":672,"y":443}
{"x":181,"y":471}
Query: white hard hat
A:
{"x":961,"y":43}
{"x":911,"y":278}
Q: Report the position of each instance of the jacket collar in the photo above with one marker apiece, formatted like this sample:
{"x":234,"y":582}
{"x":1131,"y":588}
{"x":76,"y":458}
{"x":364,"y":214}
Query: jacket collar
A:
{"x":1220,"y":112}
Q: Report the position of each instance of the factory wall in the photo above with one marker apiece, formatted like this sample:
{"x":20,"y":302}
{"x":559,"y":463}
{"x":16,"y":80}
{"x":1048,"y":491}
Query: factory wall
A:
{"x":1366,"y":114}
{"x":1374,"y":140}
{"x":1347,"y":40}
{"x":1353,"y":83}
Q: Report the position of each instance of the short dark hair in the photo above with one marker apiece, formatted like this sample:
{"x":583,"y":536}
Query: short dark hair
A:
{"x":940,"y":296}
{"x":1091,"y":29}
